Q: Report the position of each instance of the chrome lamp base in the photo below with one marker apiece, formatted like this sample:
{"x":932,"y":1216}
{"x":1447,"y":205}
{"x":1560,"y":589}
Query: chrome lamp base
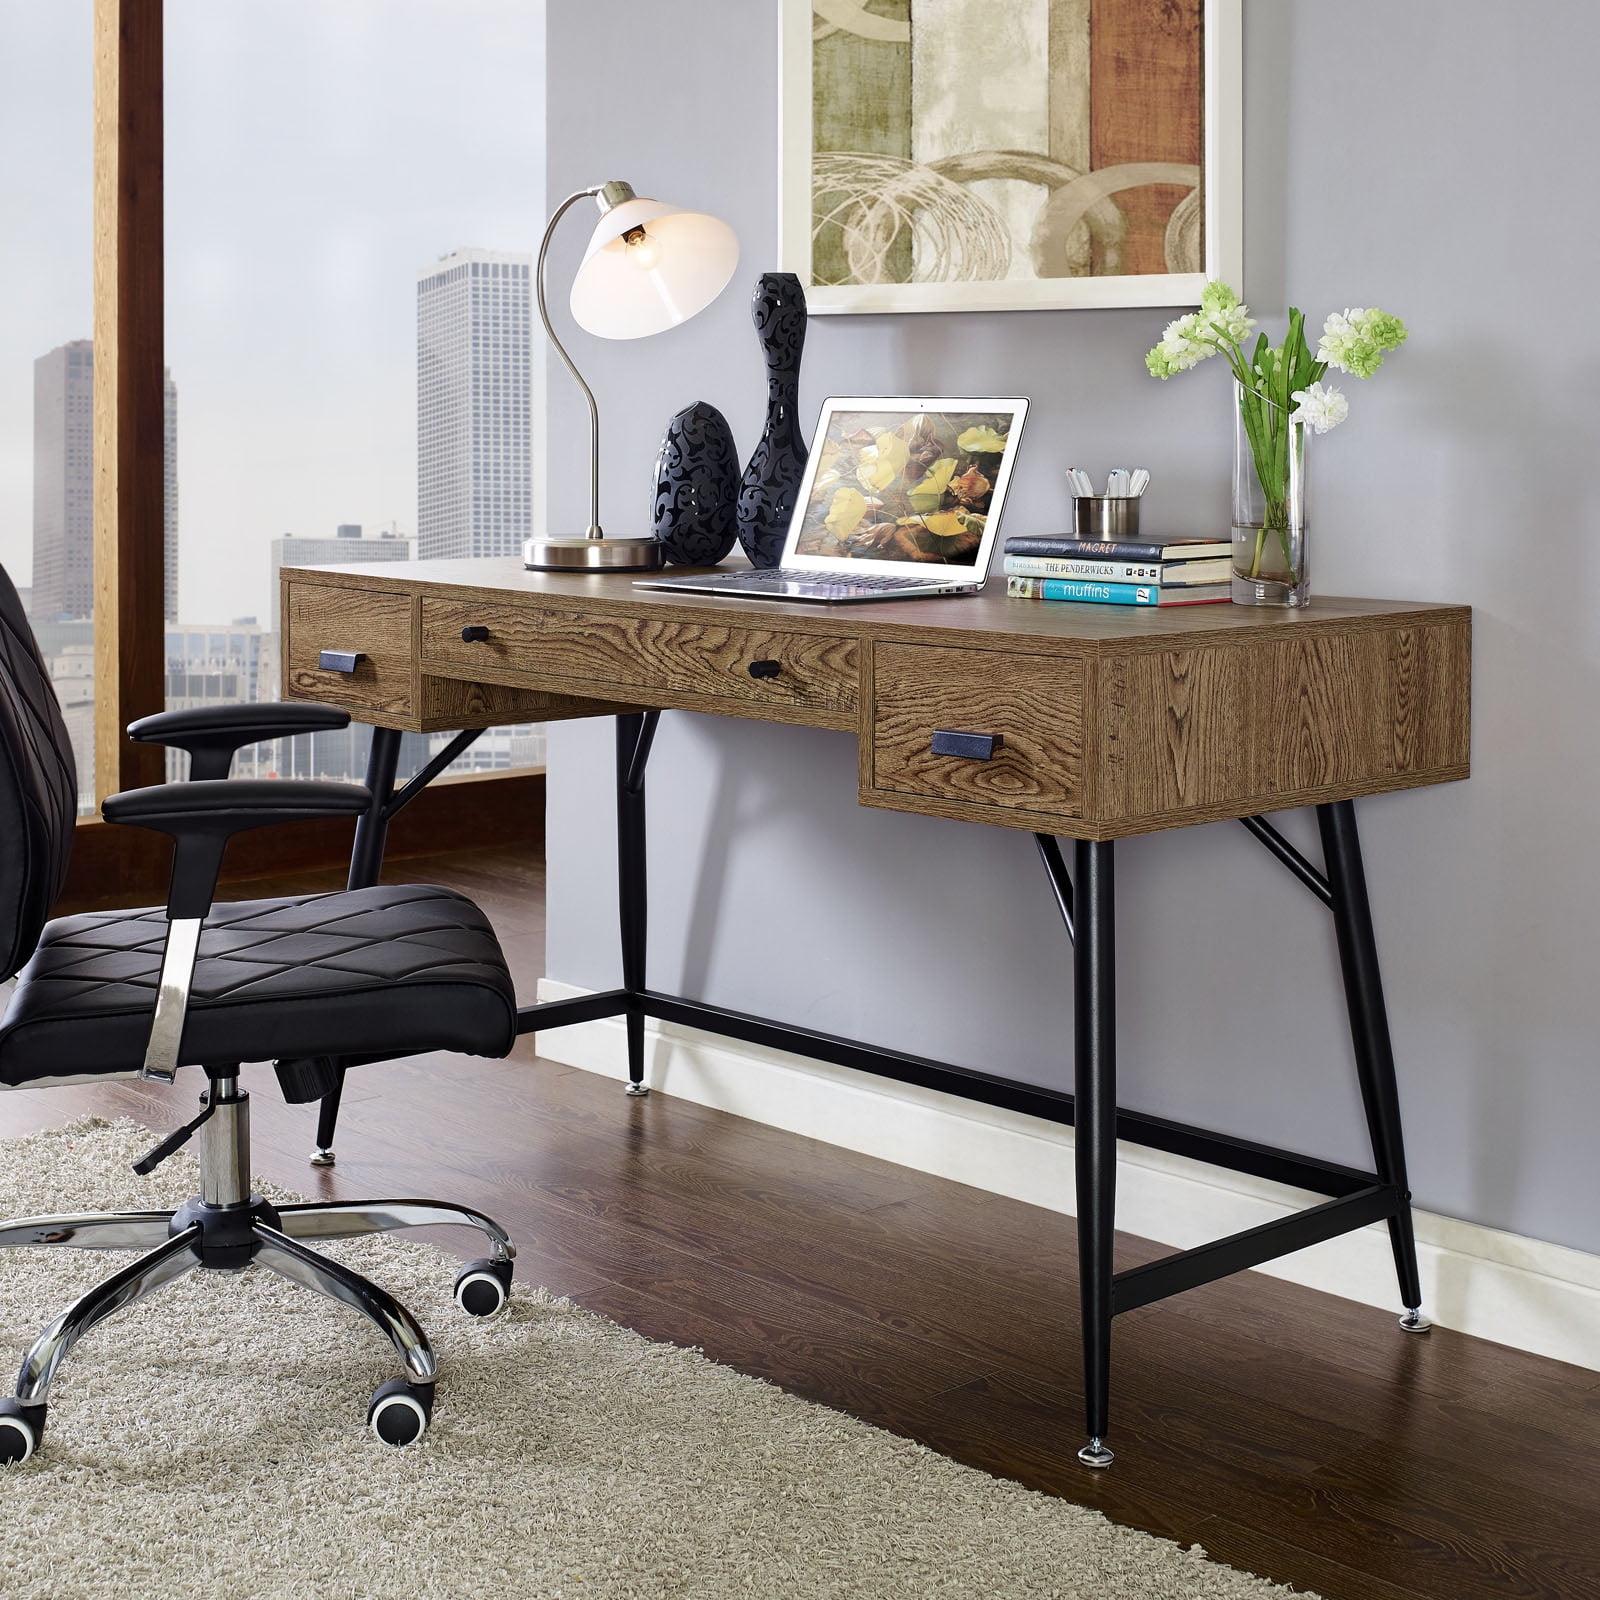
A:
{"x":227,"y":1228}
{"x":593,"y":553}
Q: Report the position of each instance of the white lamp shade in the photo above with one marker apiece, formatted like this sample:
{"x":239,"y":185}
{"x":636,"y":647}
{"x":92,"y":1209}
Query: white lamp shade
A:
{"x":681,"y":264}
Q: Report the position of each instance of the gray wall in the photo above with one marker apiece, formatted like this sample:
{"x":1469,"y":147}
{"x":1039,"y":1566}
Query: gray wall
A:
{"x":1426,"y":157}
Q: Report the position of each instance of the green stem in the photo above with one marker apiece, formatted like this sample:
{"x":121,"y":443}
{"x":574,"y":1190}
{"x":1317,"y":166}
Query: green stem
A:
{"x":1270,"y":435}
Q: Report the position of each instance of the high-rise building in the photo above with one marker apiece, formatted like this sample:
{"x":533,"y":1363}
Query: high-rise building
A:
{"x":347,"y":546}
{"x":63,"y":484}
{"x":474,"y":423}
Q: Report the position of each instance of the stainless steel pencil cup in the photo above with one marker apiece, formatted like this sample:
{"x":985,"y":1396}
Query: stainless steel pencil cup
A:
{"x":1105,"y":516}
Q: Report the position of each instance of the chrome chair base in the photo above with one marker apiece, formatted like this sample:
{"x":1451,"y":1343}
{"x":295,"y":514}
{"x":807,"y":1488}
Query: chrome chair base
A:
{"x":247,"y":1230}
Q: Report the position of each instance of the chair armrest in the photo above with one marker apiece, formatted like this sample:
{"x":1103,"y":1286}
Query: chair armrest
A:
{"x":202,"y":815}
{"x":211,"y":734}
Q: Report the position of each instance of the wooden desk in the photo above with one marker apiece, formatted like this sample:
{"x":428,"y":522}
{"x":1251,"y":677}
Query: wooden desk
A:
{"x":1102,"y":722}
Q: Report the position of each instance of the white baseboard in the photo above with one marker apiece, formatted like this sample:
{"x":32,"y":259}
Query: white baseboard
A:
{"x":1534,"y":1296}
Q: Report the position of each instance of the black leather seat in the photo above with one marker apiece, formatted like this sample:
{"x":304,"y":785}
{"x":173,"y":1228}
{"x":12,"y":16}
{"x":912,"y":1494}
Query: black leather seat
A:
{"x":312,"y":982}
{"x":393,"y":970}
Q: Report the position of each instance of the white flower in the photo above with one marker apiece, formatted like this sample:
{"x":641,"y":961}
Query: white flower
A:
{"x":1181,"y":345}
{"x":1231,"y":322}
{"x":1320,"y":407}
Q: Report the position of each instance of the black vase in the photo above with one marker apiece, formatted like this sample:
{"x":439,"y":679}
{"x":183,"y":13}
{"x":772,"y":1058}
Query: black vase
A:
{"x":697,"y":487}
{"x":772,"y":479}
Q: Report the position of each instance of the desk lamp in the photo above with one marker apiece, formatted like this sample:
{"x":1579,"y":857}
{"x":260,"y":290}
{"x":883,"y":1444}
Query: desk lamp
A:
{"x":649,"y":266}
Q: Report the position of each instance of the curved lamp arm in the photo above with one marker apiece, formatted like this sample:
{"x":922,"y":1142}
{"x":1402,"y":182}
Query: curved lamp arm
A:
{"x":593,"y":531}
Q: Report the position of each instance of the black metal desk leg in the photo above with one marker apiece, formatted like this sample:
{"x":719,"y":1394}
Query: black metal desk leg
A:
{"x":635,"y":731}
{"x":1095,"y":1090}
{"x":1369,"y":1031}
{"x":366,"y":862}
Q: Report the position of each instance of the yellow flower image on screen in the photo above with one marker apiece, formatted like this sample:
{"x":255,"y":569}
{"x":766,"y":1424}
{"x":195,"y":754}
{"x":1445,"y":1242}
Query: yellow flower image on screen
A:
{"x":912,"y":488}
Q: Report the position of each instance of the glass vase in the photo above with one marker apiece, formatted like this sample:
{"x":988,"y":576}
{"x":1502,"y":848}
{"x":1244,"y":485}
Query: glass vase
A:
{"x":1269,"y":503}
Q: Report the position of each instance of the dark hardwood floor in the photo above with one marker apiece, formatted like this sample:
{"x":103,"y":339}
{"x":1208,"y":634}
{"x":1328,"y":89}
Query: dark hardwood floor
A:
{"x":1290,"y":1433}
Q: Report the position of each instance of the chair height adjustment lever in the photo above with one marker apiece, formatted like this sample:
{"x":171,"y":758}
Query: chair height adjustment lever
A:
{"x":174,"y":1142}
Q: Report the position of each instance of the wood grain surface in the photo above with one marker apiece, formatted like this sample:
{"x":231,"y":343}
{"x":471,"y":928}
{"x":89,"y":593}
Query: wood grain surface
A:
{"x":377,"y":625}
{"x":1034,"y":703}
{"x":711,"y":658}
{"x":1117,"y":720}
{"x":130,"y":654}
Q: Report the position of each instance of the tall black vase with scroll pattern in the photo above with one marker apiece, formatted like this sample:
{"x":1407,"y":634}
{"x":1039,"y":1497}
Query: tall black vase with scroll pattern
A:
{"x":697,"y":487}
{"x":772,"y":479}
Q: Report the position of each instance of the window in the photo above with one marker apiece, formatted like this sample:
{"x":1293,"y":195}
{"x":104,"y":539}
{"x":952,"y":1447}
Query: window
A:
{"x":353,"y":194}
{"x":46,"y":345}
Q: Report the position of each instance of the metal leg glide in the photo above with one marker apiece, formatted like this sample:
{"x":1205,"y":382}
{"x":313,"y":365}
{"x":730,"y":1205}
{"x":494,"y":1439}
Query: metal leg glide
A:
{"x":636,"y":732}
{"x":1369,"y":1032}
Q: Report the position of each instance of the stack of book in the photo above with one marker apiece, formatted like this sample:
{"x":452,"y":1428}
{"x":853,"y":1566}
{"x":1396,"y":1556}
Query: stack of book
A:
{"x":1166,"y":572}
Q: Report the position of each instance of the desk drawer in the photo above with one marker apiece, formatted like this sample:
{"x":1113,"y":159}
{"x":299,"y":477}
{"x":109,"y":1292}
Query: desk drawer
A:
{"x":370,"y":624}
{"x":1026,"y":712}
{"x":815,"y":676}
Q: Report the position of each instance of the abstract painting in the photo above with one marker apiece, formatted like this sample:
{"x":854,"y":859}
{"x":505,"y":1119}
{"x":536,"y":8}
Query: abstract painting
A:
{"x":1006,"y":154}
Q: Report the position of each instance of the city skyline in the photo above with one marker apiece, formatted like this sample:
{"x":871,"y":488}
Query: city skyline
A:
{"x":316,"y":156}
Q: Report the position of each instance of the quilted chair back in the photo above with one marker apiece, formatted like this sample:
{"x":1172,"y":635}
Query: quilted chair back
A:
{"x":38,"y":787}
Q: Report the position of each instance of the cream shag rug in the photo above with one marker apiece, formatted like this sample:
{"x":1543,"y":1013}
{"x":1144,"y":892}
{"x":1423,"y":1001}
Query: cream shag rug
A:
{"x":212,"y":1442}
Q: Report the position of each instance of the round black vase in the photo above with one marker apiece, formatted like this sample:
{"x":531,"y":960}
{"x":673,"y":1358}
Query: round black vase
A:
{"x":697,"y":487}
{"x":772,"y":479}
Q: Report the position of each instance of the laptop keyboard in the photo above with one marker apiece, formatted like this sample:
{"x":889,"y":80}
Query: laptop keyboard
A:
{"x":829,"y":581}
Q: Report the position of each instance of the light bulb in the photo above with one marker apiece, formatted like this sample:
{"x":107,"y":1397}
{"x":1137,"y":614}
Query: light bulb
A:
{"x":643,"y":251}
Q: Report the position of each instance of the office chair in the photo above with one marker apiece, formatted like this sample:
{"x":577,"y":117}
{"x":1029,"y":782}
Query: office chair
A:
{"x":362,"y":975}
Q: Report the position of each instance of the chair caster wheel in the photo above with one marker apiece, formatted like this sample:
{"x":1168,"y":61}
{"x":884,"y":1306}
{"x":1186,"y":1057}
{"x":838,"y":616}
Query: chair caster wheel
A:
{"x":400,"y":1411}
{"x":483,"y":1287}
{"x":321,"y":1157}
{"x":21,"y":1428}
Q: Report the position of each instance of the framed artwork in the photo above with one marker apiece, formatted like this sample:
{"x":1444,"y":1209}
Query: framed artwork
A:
{"x":1002,"y":155}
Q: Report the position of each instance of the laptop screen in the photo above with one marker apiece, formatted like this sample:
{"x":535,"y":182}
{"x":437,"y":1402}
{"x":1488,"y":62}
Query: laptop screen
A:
{"x":892,"y":485}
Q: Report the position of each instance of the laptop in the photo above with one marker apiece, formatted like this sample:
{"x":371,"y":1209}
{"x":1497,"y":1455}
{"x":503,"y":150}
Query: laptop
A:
{"x":901,"y":500}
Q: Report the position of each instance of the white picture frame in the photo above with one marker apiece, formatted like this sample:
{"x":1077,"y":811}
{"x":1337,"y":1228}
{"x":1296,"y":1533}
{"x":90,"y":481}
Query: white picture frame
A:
{"x":1223,"y":191}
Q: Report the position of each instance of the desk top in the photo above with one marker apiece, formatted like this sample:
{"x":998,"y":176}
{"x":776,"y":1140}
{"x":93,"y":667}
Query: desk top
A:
{"x":990,"y":618}
{"x":1094,"y":720}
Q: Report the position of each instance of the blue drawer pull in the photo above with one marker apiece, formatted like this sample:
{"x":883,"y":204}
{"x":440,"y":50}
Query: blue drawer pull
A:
{"x":967,"y":746}
{"x":340,"y":660}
